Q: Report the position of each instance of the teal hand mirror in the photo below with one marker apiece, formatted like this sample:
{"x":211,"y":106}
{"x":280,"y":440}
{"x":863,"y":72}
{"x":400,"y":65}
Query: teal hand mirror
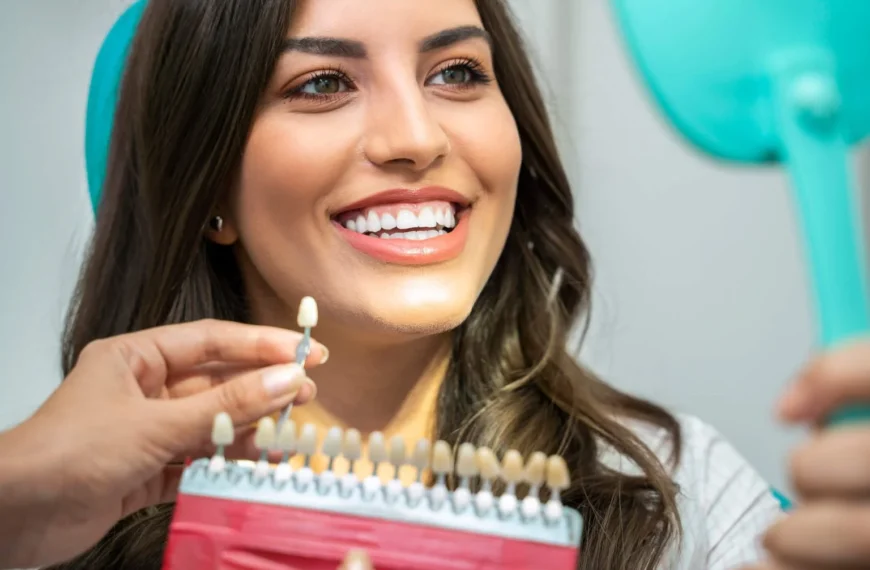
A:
{"x":773,"y":81}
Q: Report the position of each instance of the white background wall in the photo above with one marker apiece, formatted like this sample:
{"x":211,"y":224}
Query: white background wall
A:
{"x":700,"y":300}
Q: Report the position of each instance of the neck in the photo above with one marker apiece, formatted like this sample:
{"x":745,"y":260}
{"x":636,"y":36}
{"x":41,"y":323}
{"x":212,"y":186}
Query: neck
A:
{"x":388,"y":387}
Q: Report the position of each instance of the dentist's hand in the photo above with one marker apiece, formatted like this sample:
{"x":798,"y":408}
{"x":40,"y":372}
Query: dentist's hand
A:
{"x":101,"y":447}
{"x":830,"y":525}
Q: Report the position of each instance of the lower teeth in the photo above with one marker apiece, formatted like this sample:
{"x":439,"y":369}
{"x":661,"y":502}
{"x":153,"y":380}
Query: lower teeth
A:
{"x":412,"y":235}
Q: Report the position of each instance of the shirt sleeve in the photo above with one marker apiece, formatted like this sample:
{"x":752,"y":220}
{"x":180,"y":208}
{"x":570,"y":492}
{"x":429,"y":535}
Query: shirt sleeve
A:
{"x":738,"y":504}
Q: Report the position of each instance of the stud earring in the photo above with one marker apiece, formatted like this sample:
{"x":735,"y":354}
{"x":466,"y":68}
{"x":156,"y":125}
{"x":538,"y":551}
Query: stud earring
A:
{"x":216,"y":224}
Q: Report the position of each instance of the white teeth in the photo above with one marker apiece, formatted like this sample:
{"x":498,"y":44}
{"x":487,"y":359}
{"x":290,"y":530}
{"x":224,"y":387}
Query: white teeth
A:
{"x":426,"y":219}
{"x":388,"y":222}
{"x":373,"y":223}
{"x":406,"y":220}
{"x":430,"y":223}
{"x":414,"y":235}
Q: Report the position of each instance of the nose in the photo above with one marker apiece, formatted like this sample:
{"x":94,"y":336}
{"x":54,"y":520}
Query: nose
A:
{"x":403,"y":131}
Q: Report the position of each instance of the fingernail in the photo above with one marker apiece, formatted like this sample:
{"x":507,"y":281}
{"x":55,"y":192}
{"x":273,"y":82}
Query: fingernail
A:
{"x":792,"y":405}
{"x":280,"y":380}
{"x":325,"y":353}
{"x":307,"y":392}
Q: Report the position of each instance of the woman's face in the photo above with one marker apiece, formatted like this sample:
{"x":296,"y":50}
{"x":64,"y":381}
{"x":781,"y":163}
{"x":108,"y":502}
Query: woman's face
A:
{"x":381,"y":171}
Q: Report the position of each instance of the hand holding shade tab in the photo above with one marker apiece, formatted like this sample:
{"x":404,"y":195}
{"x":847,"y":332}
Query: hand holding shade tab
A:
{"x":770,"y":81}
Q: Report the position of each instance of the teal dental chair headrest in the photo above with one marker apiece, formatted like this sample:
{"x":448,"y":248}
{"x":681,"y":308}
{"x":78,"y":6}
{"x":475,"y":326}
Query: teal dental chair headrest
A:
{"x":103,"y":97}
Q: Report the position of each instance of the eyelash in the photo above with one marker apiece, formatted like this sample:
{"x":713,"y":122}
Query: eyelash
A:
{"x":476,"y":71}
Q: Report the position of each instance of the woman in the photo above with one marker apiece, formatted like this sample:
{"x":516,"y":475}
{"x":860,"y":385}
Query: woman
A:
{"x":394,"y":160}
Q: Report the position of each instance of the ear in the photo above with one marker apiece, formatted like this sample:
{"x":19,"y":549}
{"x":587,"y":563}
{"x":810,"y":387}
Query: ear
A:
{"x":221,"y":230}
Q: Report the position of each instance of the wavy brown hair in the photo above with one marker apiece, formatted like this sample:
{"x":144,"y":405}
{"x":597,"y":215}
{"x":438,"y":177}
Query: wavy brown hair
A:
{"x":175,"y":151}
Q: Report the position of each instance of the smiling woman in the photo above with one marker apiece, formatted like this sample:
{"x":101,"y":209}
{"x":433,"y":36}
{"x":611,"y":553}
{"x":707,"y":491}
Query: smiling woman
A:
{"x":394,"y":160}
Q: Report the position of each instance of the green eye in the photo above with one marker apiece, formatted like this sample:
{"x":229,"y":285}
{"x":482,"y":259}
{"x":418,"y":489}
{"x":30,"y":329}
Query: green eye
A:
{"x":324,"y":85}
{"x":456,"y":75}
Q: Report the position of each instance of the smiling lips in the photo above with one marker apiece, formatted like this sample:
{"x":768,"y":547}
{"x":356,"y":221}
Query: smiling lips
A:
{"x":407,"y":227}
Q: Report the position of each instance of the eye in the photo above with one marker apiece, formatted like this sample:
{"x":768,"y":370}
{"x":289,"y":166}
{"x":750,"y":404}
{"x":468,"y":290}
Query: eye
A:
{"x":329,"y":84}
{"x":461,"y":74}
{"x":322,"y":85}
{"x":456,"y":75}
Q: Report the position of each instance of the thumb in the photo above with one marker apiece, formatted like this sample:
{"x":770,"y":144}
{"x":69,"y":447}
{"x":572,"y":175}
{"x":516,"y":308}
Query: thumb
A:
{"x":246,"y":399}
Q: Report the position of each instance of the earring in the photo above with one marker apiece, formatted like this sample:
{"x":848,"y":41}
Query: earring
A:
{"x":216,"y":224}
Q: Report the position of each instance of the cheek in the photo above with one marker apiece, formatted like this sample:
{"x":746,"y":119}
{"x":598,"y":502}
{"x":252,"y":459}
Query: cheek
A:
{"x":288,"y":166}
{"x":489,"y":143}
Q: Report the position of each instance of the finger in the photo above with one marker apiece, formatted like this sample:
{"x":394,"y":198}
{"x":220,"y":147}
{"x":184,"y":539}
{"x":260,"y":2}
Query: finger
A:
{"x":822,"y":534}
{"x":357,"y":560}
{"x":832,"y":380}
{"x":246,"y":400}
{"x":201,"y":378}
{"x":833,"y":464}
{"x":208,"y":377}
{"x":157,"y":353}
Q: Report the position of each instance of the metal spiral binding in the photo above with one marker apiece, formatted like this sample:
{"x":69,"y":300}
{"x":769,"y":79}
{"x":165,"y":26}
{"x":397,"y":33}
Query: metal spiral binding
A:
{"x":471,"y":507}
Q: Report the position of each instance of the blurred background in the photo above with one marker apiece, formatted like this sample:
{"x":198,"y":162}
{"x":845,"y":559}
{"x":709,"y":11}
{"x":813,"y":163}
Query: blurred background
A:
{"x":700,"y":296}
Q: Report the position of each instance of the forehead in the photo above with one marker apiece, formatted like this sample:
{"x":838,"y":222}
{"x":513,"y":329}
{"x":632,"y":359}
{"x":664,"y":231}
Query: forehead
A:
{"x":374,"y":21}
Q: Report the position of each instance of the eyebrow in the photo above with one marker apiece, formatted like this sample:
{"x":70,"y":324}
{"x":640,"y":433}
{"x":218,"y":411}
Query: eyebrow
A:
{"x":338,"y":47}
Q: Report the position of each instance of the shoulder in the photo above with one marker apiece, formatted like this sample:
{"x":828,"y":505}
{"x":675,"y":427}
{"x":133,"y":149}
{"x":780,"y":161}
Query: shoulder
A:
{"x":725,"y":504}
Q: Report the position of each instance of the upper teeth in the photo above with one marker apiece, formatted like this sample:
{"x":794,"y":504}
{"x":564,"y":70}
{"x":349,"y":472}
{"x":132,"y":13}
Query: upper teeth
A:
{"x":404,"y":220}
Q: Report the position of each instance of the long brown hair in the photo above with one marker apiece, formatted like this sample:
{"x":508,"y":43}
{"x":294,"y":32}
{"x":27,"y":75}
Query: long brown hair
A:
{"x":175,"y":151}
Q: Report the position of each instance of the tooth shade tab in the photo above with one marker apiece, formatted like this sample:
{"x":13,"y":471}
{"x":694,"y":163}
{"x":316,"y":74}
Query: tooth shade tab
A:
{"x":558,"y":475}
{"x":307,"y":316}
{"x":442,"y":458}
{"x":466,"y":465}
{"x":396,"y":220}
{"x":512,"y":467}
{"x":487,"y":464}
{"x":286,"y":441}
{"x":377,"y":448}
{"x":307,"y":442}
{"x":351,"y":447}
{"x":264,"y":438}
{"x":398,"y":453}
{"x":332,"y":442}
{"x":420,"y":456}
{"x":222,"y":431}
{"x":536,"y":470}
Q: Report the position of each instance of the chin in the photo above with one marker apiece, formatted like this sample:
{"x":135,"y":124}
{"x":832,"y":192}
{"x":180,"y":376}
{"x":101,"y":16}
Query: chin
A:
{"x":419,"y":307}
